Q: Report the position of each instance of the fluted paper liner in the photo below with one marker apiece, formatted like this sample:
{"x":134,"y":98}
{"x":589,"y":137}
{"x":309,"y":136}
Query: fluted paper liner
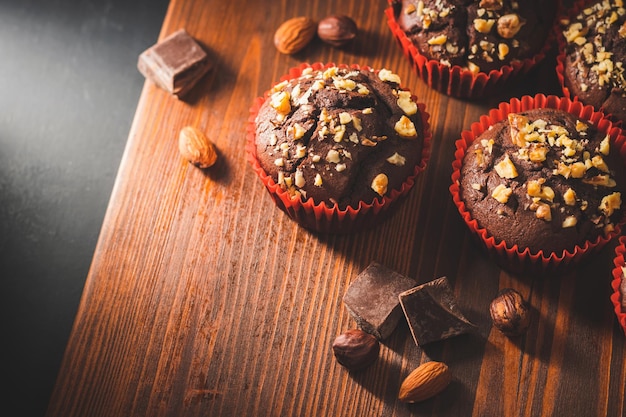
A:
{"x":618,"y":276}
{"x":508,"y":255}
{"x":322,"y":217}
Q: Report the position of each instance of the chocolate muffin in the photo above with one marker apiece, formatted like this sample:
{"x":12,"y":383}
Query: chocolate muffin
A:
{"x":595,"y":51}
{"x":544,"y":180}
{"x":339,"y":135}
{"x":480,"y":35}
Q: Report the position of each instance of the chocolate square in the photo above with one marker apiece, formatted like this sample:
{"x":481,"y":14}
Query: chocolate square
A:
{"x":175,"y":64}
{"x":372,"y":299}
{"x":432,"y":313}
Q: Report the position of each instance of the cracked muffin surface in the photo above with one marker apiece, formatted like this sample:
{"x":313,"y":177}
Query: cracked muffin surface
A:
{"x":544,"y":180}
{"x":339,"y":135}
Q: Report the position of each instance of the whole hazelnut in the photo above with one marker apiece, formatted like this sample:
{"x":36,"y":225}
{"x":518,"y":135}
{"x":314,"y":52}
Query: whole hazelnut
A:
{"x":509,"y":312}
{"x":356,"y":349}
{"x":336,"y":30}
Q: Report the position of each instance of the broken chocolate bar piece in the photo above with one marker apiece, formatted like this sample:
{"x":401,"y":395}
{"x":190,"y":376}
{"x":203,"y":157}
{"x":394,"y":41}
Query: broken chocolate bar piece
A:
{"x":175,"y":64}
{"x":372,"y":299}
{"x":432,"y":313}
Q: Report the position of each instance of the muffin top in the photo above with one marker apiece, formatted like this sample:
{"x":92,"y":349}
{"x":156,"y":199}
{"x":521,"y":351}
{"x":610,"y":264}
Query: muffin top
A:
{"x":544,"y":180}
{"x":481,"y":35}
{"x":595,"y":54}
{"x":339,"y":135}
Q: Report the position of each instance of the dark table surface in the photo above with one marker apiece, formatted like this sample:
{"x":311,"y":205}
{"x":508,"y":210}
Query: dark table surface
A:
{"x":68,"y":92}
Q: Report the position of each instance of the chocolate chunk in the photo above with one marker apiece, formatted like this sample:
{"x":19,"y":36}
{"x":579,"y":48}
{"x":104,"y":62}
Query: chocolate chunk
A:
{"x":432,"y":313}
{"x":372,"y":299}
{"x":175,"y":64}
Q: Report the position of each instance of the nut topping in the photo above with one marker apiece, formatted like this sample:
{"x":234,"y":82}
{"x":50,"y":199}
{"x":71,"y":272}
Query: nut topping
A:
{"x":426,"y":381}
{"x":379,"y":184}
{"x":405,"y":128}
{"x":194,"y":146}
{"x":356,"y":349}
{"x":509,"y":25}
{"x":510,"y":313}
{"x":294,"y":34}
{"x":490,"y":4}
{"x":337,"y":30}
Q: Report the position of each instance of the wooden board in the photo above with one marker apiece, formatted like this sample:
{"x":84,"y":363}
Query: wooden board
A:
{"x":204,"y":299}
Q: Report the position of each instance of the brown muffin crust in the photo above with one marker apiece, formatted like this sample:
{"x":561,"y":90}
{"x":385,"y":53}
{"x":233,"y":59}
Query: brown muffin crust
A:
{"x":481,"y":35}
{"x":543,"y":180}
{"x":595,"y":52}
{"x":339,"y":135}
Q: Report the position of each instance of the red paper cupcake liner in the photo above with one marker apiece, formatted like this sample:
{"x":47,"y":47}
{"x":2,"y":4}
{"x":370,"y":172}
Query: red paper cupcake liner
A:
{"x":321,"y":217}
{"x":618,"y":277}
{"x":459,"y":82}
{"x":509,"y":256}
{"x":576,"y":8}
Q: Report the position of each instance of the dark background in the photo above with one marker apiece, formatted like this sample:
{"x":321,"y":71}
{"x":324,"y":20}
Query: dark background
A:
{"x":69,"y":87}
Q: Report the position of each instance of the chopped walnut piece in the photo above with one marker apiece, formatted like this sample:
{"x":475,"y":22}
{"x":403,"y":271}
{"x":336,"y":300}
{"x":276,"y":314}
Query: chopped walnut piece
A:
{"x":543,"y":212}
{"x":506,"y":168}
{"x":610,"y":203}
{"x":503,"y":51}
{"x":298,"y":131}
{"x":535,"y":188}
{"x":329,"y":73}
{"x":405,"y":127}
{"x":491,"y":4}
{"x":509,"y":25}
{"x":438,"y":40}
{"x":605,"y":145}
{"x":345,"y":118}
{"x":379,"y":184}
{"x":386,"y":75}
{"x":518,"y":125}
{"x":600,"y":180}
{"x":344,"y":84}
{"x":339,"y":132}
{"x":480,"y":157}
{"x":599,"y":163}
{"x":502,"y":193}
{"x":483,"y":25}
{"x":406,"y":103}
{"x":356,"y":122}
{"x":577,"y":170}
{"x":299,"y":180}
{"x":368,"y":142}
{"x":569,"y":197}
{"x":569,"y":221}
{"x":281,"y":102}
{"x":538,"y":153}
{"x":333,"y":156}
{"x":396,"y":159}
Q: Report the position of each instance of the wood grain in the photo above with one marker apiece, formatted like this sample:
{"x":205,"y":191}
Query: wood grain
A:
{"x":204,"y":299}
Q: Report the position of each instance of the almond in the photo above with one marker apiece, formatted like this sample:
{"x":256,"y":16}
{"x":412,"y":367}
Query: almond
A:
{"x":196,"y":147}
{"x":294,"y":34}
{"x":426,"y":381}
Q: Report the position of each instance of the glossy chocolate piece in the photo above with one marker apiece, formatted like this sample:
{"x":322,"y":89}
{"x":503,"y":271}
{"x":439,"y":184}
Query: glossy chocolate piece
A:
{"x":372,"y":299}
{"x":432,"y":313}
{"x":175,"y":64}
